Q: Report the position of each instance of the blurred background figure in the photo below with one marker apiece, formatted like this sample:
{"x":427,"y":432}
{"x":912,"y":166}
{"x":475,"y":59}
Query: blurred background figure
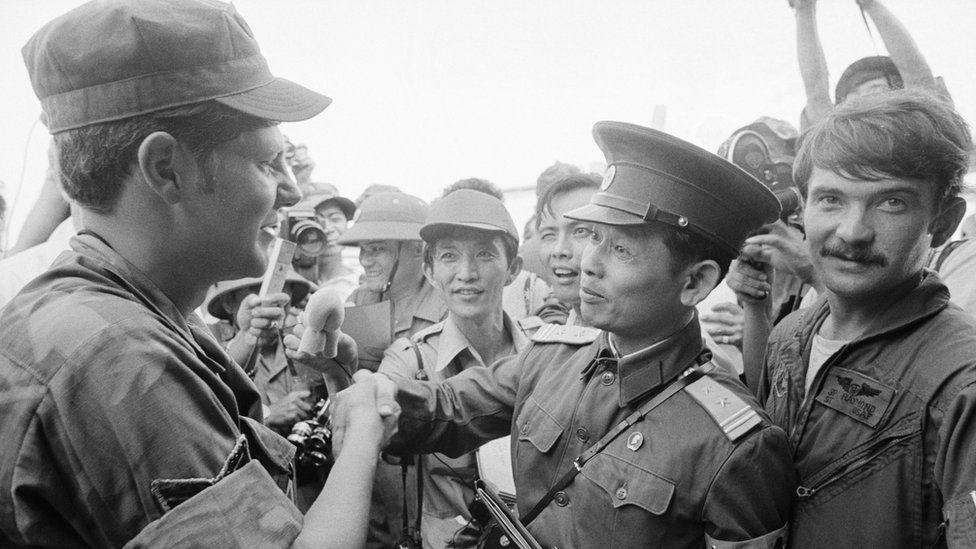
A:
{"x":905,"y":68}
{"x":529,"y":249}
{"x":315,"y":225}
{"x":765,"y":149}
{"x":560,"y":240}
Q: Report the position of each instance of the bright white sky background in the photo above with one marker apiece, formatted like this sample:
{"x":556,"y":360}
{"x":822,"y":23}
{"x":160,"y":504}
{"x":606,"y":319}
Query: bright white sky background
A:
{"x":428,"y":92}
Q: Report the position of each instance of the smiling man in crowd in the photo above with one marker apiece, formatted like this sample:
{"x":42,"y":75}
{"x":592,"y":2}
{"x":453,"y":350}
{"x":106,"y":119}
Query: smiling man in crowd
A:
{"x":695,"y":463}
{"x":123,"y":419}
{"x":876,"y":381}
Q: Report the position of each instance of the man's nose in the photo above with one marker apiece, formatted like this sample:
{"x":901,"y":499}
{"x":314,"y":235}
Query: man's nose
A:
{"x":562,"y":248}
{"x":288,"y":193}
{"x":855,"y":226}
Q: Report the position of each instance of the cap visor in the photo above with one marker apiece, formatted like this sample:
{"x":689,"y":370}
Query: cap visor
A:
{"x":436,"y":230}
{"x":386,"y":230}
{"x":596,"y":213}
{"x":281,"y":100}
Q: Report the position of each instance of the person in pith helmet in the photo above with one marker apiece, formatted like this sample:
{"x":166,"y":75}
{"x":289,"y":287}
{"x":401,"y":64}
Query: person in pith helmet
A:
{"x":387,"y":232}
{"x":624,"y":434}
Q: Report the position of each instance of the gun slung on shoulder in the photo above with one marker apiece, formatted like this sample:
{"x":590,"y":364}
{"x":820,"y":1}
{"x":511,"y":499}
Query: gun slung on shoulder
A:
{"x":324,"y":315}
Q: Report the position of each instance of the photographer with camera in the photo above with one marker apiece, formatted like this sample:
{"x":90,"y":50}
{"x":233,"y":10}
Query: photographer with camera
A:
{"x":777,"y":252}
{"x":315,"y":225}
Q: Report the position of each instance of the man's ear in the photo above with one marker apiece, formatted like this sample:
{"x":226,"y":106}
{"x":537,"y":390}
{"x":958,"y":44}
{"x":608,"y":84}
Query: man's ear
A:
{"x":428,"y":272}
{"x":947,"y":219}
{"x":161,"y":161}
{"x":514,"y":269}
{"x":700,"y":279}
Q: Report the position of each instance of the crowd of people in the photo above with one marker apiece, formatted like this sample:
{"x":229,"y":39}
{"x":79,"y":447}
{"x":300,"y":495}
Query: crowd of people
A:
{"x":767,"y":346}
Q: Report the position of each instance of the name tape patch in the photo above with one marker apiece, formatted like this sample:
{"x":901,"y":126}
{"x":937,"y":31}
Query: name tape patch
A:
{"x":856,"y":395}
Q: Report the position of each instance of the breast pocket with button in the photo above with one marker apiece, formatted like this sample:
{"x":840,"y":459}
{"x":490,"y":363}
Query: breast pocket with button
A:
{"x":537,"y":426}
{"x":631,"y":499}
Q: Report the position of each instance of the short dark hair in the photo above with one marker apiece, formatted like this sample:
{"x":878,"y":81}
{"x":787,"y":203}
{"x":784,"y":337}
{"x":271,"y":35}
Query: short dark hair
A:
{"x":96,"y":159}
{"x":509,"y":245}
{"x":476,"y":184}
{"x":685,"y":245}
{"x":900,"y":134}
{"x":562,"y":186}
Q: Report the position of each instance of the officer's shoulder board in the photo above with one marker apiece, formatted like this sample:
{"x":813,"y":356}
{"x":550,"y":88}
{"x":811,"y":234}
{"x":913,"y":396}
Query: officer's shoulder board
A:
{"x":571,"y":335}
{"x":734,"y":416}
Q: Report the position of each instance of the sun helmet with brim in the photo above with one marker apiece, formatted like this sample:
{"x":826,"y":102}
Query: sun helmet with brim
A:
{"x":386,"y":216}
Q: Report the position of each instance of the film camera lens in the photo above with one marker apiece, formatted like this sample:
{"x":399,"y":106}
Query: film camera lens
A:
{"x":749,"y":151}
{"x":302,"y":228}
{"x":313,"y":442}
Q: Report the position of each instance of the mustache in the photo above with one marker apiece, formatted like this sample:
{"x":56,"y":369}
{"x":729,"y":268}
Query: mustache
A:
{"x":859,"y":254}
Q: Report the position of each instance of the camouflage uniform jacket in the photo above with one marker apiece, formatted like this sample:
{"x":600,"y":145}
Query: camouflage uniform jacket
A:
{"x":121,"y":420}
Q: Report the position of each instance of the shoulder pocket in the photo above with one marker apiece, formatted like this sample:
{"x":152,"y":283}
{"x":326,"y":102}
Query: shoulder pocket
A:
{"x":537,"y":426}
{"x":628,"y":484}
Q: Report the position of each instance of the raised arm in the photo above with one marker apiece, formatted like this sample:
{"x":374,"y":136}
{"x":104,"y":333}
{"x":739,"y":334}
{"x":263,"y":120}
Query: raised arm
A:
{"x":813,"y":63}
{"x":904,"y":53}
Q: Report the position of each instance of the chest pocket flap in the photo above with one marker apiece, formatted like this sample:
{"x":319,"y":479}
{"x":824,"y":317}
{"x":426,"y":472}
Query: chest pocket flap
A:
{"x":629,"y":484}
{"x":537,"y":426}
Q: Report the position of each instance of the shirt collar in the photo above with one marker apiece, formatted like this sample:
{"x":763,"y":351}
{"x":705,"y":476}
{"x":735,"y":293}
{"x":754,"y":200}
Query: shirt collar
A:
{"x":452,"y":342}
{"x":426,"y":304}
{"x":924,"y":300}
{"x":651,"y":367}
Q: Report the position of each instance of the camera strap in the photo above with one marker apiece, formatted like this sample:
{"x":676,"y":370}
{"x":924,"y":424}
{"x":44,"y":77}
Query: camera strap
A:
{"x":407,"y":531}
{"x":689,"y":377}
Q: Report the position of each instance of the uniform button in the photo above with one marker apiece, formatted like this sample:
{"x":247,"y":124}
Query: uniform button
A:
{"x":561,"y":499}
{"x":582,"y":434}
{"x":524,"y":429}
{"x":608,"y":378}
{"x":622,"y":493}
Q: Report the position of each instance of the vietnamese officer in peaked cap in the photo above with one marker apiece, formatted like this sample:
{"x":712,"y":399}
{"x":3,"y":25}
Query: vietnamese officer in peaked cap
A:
{"x":624,"y":434}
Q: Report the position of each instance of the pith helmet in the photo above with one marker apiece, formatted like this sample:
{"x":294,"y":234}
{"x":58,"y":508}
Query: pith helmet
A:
{"x":387,"y":216}
{"x":652,"y":176}
{"x":299,"y":288}
{"x":467,"y":208}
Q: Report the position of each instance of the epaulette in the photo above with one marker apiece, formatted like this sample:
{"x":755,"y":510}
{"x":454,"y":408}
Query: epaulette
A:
{"x":733,"y":415}
{"x":572,"y":335}
{"x":530,"y":323}
{"x":422,"y":335}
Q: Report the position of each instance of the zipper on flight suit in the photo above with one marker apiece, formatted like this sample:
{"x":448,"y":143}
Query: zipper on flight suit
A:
{"x":842,"y":468}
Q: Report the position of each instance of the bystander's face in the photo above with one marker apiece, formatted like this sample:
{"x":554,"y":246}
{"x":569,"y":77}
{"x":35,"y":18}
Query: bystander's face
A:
{"x":867,"y":238}
{"x":242,"y":185}
{"x":561,"y":243}
{"x":334,"y":222}
{"x":876,"y":85}
{"x":628,"y":287}
{"x":470,"y":270}
{"x":378,"y":258}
